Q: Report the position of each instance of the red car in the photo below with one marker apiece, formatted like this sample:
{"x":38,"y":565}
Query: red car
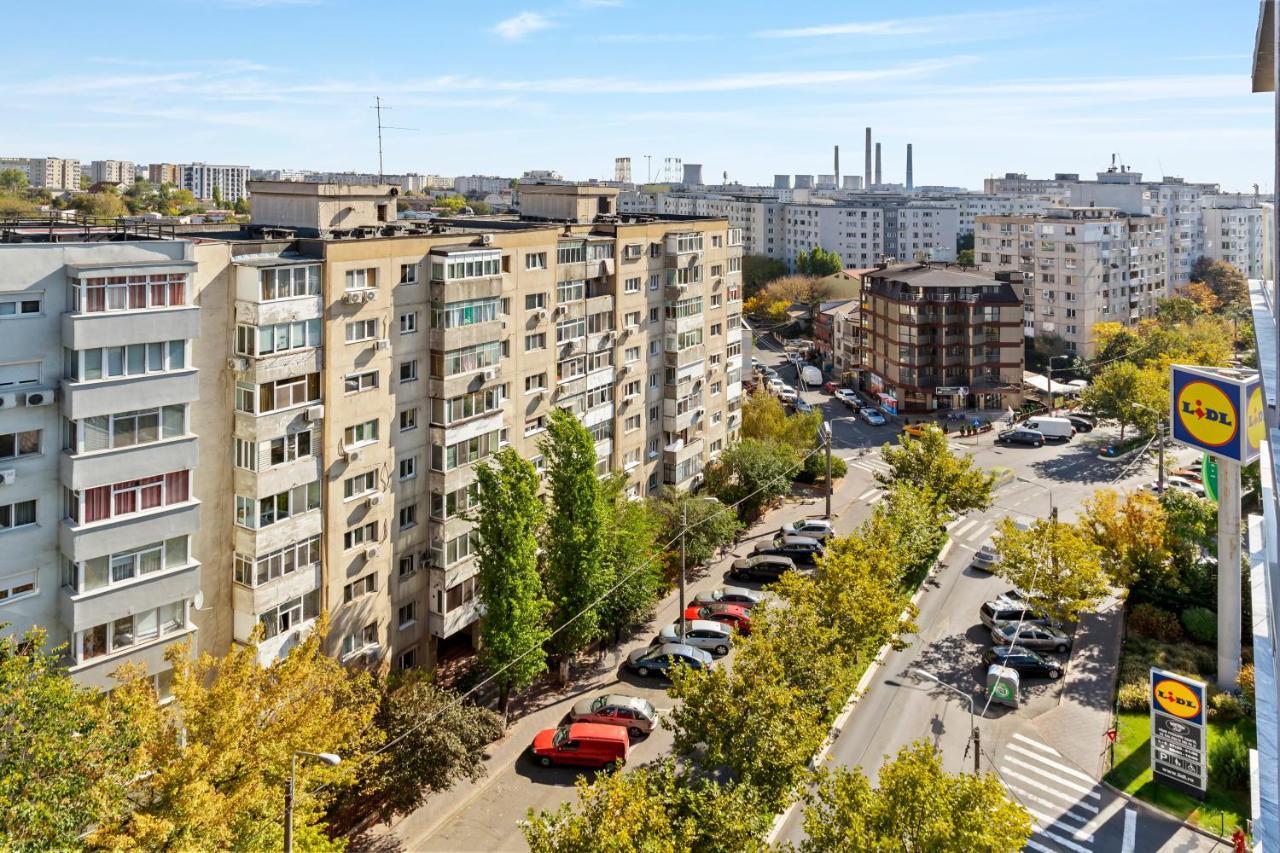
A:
{"x":830,"y":387}
{"x":734,"y":615}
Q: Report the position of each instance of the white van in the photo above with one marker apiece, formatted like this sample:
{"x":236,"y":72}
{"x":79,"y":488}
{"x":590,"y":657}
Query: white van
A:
{"x":1051,"y":428}
{"x":811,"y":376}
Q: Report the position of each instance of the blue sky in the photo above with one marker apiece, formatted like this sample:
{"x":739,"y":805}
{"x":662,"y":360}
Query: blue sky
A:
{"x":747,"y":88}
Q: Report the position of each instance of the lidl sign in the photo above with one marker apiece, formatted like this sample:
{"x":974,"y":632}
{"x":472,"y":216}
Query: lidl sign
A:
{"x":1178,"y":756}
{"x":1218,"y":410}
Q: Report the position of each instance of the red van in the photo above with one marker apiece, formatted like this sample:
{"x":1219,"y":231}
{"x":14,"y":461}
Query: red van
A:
{"x":582,"y":744}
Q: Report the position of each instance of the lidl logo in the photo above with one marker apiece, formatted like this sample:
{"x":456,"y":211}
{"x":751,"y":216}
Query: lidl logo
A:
{"x":1255,"y":425}
{"x":1176,"y":699}
{"x":1207,"y":413}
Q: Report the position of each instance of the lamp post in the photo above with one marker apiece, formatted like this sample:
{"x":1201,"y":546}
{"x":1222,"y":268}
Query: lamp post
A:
{"x":1160,"y":432}
{"x":825,"y":435}
{"x":328,"y":758}
{"x":973,"y":723}
{"x":1053,"y":401}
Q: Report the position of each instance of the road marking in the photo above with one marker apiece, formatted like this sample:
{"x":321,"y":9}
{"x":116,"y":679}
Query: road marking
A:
{"x":1049,"y":823}
{"x":1070,"y":771}
{"x":965,"y":527}
{"x":1075,"y":802}
{"x":1040,"y":848}
{"x":1058,"y":839}
{"x":876,"y":499}
{"x":1037,"y":744}
{"x":1130,"y":831}
{"x":978,"y":534}
{"x":1027,"y":795}
{"x":1088,"y":792}
{"x":868,"y":493}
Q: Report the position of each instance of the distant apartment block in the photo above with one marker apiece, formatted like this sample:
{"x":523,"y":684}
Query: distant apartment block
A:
{"x":112,"y":172}
{"x":1083,"y":266}
{"x":164,"y":173}
{"x":1237,"y":229}
{"x":480,"y":184}
{"x":50,"y":173}
{"x":202,"y":179}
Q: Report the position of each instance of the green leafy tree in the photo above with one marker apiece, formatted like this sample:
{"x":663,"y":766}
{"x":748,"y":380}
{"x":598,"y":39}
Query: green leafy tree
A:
{"x":765,"y":419}
{"x":99,"y":205}
{"x":752,"y":474}
{"x":242,"y":206}
{"x":578,"y":570}
{"x":1131,"y":535}
{"x":917,"y":808}
{"x":1056,"y":564}
{"x":65,"y":761}
{"x":712,"y":525}
{"x":965,"y":258}
{"x":1226,"y":282}
{"x":908,"y":523}
{"x":1176,"y":309}
{"x":1112,"y":393}
{"x":631,"y":530}
{"x":509,"y":519}
{"x":217,"y":197}
{"x":656,"y":809}
{"x":14,"y":206}
{"x":757,"y":271}
{"x":957,"y":484}
{"x":13,"y":181}
{"x":818,"y":262}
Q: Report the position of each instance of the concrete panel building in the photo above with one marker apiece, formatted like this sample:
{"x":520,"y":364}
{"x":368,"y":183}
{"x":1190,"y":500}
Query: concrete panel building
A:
{"x":202,"y":179}
{"x":164,"y":173}
{"x":50,"y":173}
{"x":112,"y":171}
{"x":1237,"y":229}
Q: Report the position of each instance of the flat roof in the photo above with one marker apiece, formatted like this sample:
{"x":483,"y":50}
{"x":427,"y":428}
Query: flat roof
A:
{"x":934,"y":276}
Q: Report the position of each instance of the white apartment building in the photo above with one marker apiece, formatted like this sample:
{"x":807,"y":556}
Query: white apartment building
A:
{"x":1088,"y":265}
{"x":973,"y":205}
{"x":480,"y":184}
{"x":1237,"y":229}
{"x":50,"y":173}
{"x":112,"y":171}
{"x":202,"y":179}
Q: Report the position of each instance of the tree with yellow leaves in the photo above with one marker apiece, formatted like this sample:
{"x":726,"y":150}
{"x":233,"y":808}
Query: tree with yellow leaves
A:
{"x":1131,"y":534}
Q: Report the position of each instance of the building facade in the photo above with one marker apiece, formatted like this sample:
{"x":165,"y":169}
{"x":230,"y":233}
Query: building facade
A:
{"x":164,"y":173}
{"x":50,"y":173}
{"x":1083,"y":266}
{"x":1237,"y":230}
{"x":480,"y":184}
{"x":112,"y":172}
{"x":231,"y":182}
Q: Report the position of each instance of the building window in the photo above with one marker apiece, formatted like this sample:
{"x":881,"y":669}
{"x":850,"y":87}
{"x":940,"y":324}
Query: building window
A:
{"x":571,"y":254}
{"x":409,"y":370}
{"x":455,"y":315}
{"x":361,"y":279}
{"x":361,"y":433}
{"x":117,"y":293}
{"x":408,"y":615}
{"x":132,"y":630}
{"x":17,"y":586}
{"x":533,"y":425}
{"x":632,"y":423}
{"x":365,"y":638}
{"x":357,"y":382}
{"x":468,"y":405}
{"x":408,"y":467}
{"x":474,"y":265}
{"x":571,"y":329}
{"x":406,"y":565}
{"x":257,"y":513}
{"x":279,"y":395}
{"x":536,"y":382}
{"x":362,"y":330}
{"x":276,"y":564}
{"x":571,"y":291}
{"x":121,"y":499}
{"x":288,"y":448}
{"x":466,"y":451}
{"x":132,"y":360}
{"x":361,"y":484}
{"x":534,"y":342}
{"x":409,"y":322}
{"x":358,"y":587}
{"x":408,"y":419}
{"x":457,"y":502}
{"x":408,"y":659}
{"x":534,"y":301}
{"x":535,"y":261}
{"x":408,"y":516}
{"x":278,"y":337}
{"x":466,"y":359}
{"x":357,"y":536}
{"x":408,"y":273}
{"x":455,"y":550}
{"x":631,"y":285}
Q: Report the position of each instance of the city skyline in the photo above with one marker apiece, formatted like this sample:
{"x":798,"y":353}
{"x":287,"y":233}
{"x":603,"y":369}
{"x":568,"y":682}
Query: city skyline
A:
{"x":1002,"y":88}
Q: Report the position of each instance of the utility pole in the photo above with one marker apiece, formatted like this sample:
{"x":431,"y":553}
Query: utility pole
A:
{"x":977,"y":752}
{"x":1160,"y":431}
{"x":826,"y":428}
{"x":377,"y":106}
{"x":288,"y":805}
{"x":684,"y":531}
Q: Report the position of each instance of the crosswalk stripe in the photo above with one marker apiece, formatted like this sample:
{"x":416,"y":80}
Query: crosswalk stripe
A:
{"x":876,"y":499}
{"x":1058,"y":839}
{"x":1088,"y":791}
{"x":965,"y":527}
{"x":1051,"y":823}
{"x":1038,"y":785}
{"x":1130,"y":831}
{"x":978,"y":533}
{"x":1070,"y":771}
{"x":868,"y":493}
{"x":1027,"y":795}
{"x":1037,"y":744}
{"x":1039,"y":848}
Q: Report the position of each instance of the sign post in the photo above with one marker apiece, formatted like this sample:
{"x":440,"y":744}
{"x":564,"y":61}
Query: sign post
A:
{"x":1220,"y":412}
{"x":1178,"y":756}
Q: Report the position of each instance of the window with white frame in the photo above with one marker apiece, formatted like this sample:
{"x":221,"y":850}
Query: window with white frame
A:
{"x":364,"y":534}
{"x":535,"y":261}
{"x":359,"y":485}
{"x":362,"y":278}
{"x":409,"y":370}
{"x":469,"y":405}
{"x":408,"y":467}
{"x":20,"y":305}
{"x":134,"y":630}
{"x":366,"y":637}
{"x":123,"y":293}
{"x":408,"y":322}
{"x":121,"y":567}
{"x":366,"y":585}
{"x":288,"y":615}
{"x":354,"y":383}
{"x":18,"y":585}
{"x":132,"y":360}
{"x":257,"y":513}
{"x":289,"y":282}
{"x":408,"y":273}
{"x":407,"y":517}
{"x":278,"y":563}
{"x":455,"y":503}
{"x":127,"y":498}
{"x":536,"y":382}
{"x":407,"y":615}
{"x":534,"y":301}
{"x":408,"y":419}
{"x":362,"y":330}
{"x":15,"y":445}
{"x":631,"y":285}
{"x":365,"y":432}
{"x":467,"y":451}
{"x":279,"y":395}
{"x":277,"y":337}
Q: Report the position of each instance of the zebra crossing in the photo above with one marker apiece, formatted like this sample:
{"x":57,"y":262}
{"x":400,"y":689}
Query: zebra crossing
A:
{"x":1065,"y":803}
{"x":972,"y":531}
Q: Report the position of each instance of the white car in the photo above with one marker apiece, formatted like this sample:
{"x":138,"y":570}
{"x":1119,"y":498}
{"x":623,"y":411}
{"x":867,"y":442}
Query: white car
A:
{"x":872,"y":417}
{"x":1196,"y":489}
{"x":986,"y":558}
{"x":847,"y":396}
{"x":787,"y":394}
{"x":714,"y":637}
{"x":815,"y":528}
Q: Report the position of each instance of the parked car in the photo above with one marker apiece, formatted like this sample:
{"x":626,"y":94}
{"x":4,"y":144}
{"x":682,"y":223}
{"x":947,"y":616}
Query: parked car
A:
{"x":706,"y":634}
{"x":636,"y":715}
{"x":1185,"y":485}
{"x":872,"y":417}
{"x":775,"y":385}
{"x":1007,"y":609}
{"x":581,"y":744}
{"x":1192,"y":475}
{"x":814,"y":528}
{"x":801,"y":406}
{"x":734,"y":616}
{"x":1033,"y":636}
{"x":1021,"y":435}
{"x":729,"y":595}
{"x":1081,"y":424}
{"x":787,"y":394}
{"x":1059,"y":429}
{"x":810,"y":375}
{"x":986,"y":558}
{"x":769,"y":372}
{"x":756,"y":364}
{"x":847,"y":396}
{"x":658,"y":660}
{"x":761,"y":567}
{"x":830,"y":387}
{"x":801,"y":549}
{"x":917,"y":429}
{"x":1025,"y":661}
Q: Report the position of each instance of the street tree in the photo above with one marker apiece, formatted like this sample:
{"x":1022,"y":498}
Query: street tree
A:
{"x":917,"y":808}
{"x":1227,"y":283}
{"x":99,"y":205}
{"x":1112,"y":393}
{"x":759,"y":270}
{"x":631,"y":551}
{"x":1177,"y":309}
{"x":765,"y":418}
{"x":752,"y":474}
{"x":1206,"y":301}
{"x":578,"y":572}
{"x":802,"y":289}
{"x":656,"y":808}
{"x":219,"y":754}
{"x":1056,"y":565}
{"x":217,"y":197}
{"x":13,"y":181}
{"x":908,"y":526}
{"x":819,"y":262}
{"x":1130,"y":533}
{"x":955,"y":482}
{"x":965,"y":258}
{"x":513,"y":626}
{"x":711,"y":526}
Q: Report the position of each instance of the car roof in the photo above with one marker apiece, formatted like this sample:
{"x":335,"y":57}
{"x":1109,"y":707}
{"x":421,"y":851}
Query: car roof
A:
{"x":779,"y":559}
{"x":697,"y":625}
{"x":1006,"y":651}
{"x":679,"y":649}
{"x":622,"y":700}
{"x":792,"y":539}
{"x":596,"y":731}
{"x":723,"y":607}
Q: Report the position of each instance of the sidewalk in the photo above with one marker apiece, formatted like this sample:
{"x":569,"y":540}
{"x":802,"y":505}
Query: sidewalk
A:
{"x":1077,"y":727}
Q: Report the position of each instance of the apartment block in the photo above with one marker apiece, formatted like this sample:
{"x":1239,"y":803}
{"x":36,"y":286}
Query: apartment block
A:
{"x":1083,"y":266}
{"x":202,"y":179}
{"x":111,"y":171}
{"x":1237,"y":229}
{"x":164,"y":173}
{"x":50,"y":173}
{"x":480,"y":184}
{"x":936,"y":337}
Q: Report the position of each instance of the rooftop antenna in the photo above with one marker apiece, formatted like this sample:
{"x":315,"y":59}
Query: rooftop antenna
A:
{"x":378,"y":108}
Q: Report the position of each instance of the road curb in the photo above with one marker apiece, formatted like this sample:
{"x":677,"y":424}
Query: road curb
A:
{"x":1161,"y":813}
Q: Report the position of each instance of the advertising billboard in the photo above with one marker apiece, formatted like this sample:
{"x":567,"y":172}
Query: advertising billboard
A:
{"x":1178,"y":757}
{"x":1218,"y":411}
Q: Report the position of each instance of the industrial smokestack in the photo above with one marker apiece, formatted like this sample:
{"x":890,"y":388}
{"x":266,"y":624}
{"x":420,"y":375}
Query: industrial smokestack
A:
{"x":909,"y":183}
{"x":866,"y":178}
{"x":692,"y":174}
{"x":878,"y":164}
{"x":837,"y":165}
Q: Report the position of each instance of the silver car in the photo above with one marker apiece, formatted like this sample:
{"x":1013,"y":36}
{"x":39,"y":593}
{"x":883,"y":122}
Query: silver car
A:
{"x":986,"y":558}
{"x":729,"y":595}
{"x":1042,"y":637}
{"x":714,"y":637}
{"x":615,"y":709}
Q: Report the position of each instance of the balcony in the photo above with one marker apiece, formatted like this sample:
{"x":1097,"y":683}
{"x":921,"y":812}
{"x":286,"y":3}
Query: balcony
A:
{"x":119,"y":328}
{"x":686,"y":356}
{"x":600,"y":303}
{"x":681,"y":451}
{"x":96,"y":672}
{"x":683,"y":324}
{"x":85,"y":541}
{"x":85,"y":470}
{"x":84,"y":610}
{"x":106,"y":396}
{"x":460,"y":290}
{"x":264,"y":540}
{"x":447,"y":624}
{"x":250,"y":601}
{"x":465,"y":336}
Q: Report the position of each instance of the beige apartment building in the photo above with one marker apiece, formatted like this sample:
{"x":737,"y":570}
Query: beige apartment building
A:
{"x":257,"y":426}
{"x":51,"y":173}
{"x":1083,"y":266}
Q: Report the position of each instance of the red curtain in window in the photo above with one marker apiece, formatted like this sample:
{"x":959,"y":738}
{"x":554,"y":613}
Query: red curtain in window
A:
{"x":95,"y":295}
{"x":176,"y":487}
{"x":137,"y":295}
{"x":178,"y":291}
{"x":97,"y":503}
{"x":125,"y":501}
{"x":152,"y":492}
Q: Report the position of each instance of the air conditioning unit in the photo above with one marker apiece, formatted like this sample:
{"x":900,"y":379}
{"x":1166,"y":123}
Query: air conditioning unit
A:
{"x":371,"y":552}
{"x":540,"y":314}
{"x":38,"y":398}
{"x":315,"y":414}
{"x":383,"y":343}
{"x":370,"y":295}
{"x":7,"y":476}
{"x":353,"y":297}
{"x":626,"y":368}
{"x":351,"y":454}
{"x":8,"y":401}
{"x":237,"y":364}
{"x":489,"y":374}
{"x":562,"y":309}
{"x":374,"y":500}
{"x":486,"y":239}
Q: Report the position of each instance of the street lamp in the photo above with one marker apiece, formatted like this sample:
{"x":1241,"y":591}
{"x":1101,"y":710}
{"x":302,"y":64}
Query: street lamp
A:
{"x":1053,"y":401}
{"x":1160,"y":432}
{"x":973,"y":723}
{"x":1053,"y":510}
{"x":825,"y":435}
{"x":328,"y":758}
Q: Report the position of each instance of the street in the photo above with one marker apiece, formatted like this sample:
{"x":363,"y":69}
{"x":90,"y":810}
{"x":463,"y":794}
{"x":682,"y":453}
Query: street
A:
{"x":1071,"y":810}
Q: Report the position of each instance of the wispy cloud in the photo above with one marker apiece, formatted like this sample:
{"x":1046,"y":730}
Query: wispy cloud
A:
{"x":895,"y":27}
{"x":655,"y":38}
{"x":519,"y":26}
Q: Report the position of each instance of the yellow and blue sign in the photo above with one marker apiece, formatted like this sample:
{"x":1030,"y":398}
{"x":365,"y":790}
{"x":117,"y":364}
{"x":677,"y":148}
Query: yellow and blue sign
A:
{"x":1178,"y":697}
{"x":1178,"y":755}
{"x":1219,"y":411}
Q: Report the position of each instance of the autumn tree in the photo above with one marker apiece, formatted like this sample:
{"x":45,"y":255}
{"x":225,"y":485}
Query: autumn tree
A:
{"x":751,"y":474}
{"x":759,"y":270}
{"x":1130,"y":533}
{"x":965,"y":258}
{"x":955,"y":482}
{"x":513,"y":624}
{"x":1112,"y":393}
{"x":1056,"y":565}
{"x":13,"y":181}
{"x":1176,"y":309}
{"x":764,"y":418}
{"x":1227,"y":283}
{"x":99,"y":205}
{"x":711,"y":525}
{"x":578,"y":571}
{"x":917,"y":807}
{"x":1206,"y":301}
{"x":909,"y":521}
{"x":802,"y":289}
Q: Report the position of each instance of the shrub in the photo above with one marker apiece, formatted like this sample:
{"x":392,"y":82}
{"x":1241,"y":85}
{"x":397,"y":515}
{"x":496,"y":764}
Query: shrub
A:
{"x":1225,"y":707}
{"x":1245,"y":680}
{"x":1201,"y":623}
{"x":815,"y":468}
{"x":1147,"y":620}
{"x":1132,"y":697}
{"x":1229,"y":759}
